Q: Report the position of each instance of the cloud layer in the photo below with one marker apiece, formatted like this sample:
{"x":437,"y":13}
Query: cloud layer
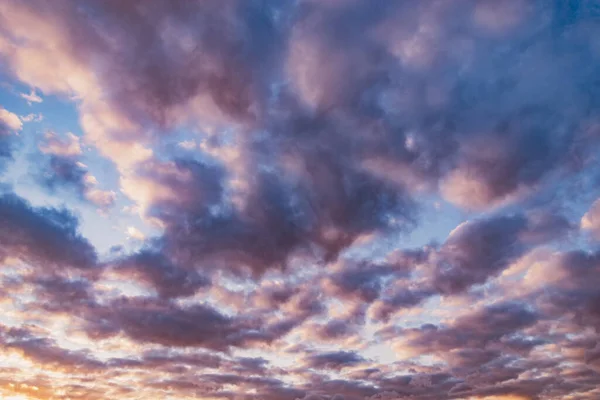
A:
{"x":334,"y":200}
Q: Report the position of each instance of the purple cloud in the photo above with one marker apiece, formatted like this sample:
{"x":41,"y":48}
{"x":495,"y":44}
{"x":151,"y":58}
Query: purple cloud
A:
{"x":331,"y":200}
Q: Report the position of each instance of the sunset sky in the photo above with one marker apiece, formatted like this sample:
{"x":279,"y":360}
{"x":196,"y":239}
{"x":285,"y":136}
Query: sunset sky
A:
{"x":300,"y":199}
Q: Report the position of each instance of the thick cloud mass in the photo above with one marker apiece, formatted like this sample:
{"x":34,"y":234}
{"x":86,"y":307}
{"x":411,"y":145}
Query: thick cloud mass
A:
{"x":45,"y":237}
{"x":300,"y":200}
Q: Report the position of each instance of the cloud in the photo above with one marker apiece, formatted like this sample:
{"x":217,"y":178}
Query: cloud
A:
{"x":479,"y":249}
{"x":9,"y":124}
{"x":568,"y":284}
{"x":44,"y":351}
{"x":333,"y":360}
{"x":159,"y":321}
{"x":333,"y":330}
{"x":264,"y":141}
{"x":401,"y":88}
{"x":465,"y":343}
{"x":476,"y":250}
{"x":61,"y":168}
{"x":591,"y":220}
{"x":399,"y":298}
{"x":61,"y":146}
{"x":103,"y":199}
{"x":362,"y":281}
{"x":134,"y":233}
{"x":164,"y":323}
{"x":367,"y":201}
{"x":276,"y":221}
{"x":32,"y":118}
{"x":162,"y":358}
{"x":43,"y":237}
{"x":32,"y":97}
{"x":161,"y":274}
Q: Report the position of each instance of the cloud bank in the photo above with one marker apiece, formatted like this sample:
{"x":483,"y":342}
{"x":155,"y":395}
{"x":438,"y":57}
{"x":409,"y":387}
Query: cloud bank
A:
{"x":278,"y":164}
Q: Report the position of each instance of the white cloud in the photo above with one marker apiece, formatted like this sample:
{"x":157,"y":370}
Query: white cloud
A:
{"x":67,"y":146}
{"x":101,"y":198}
{"x":11,"y":120}
{"x":188,"y":144}
{"x":134,"y":233}
{"x":104,"y":199}
{"x":32,"y":117}
{"x":32,"y":97}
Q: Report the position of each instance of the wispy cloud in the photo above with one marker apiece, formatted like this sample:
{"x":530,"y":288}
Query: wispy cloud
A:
{"x":31,"y":97}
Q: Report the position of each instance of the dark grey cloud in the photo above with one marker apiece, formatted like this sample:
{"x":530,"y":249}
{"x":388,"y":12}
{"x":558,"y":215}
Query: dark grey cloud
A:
{"x":476,"y":251}
{"x":279,"y":220}
{"x":398,"y":298}
{"x":62,"y":171}
{"x":497,"y":125}
{"x":58,"y":294}
{"x":45,"y":351}
{"x":47,"y":238}
{"x":496,"y":130}
{"x":364,"y":281}
{"x":162,"y":321}
{"x":161,"y":274}
{"x":333,"y":360}
{"x":59,"y":169}
{"x":482,"y":248}
{"x":475,"y":330}
{"x":575,"y":289}
{"x":335,"y":329}
{"x":149,"y":320}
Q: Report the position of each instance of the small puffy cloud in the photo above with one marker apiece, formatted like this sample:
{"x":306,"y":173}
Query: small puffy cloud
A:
{"x":64,"y":170}
{"x":591,"y":220}
{"x":9,"y":122}
{"x":31,"y":97}
{"x":67,"y":146}
{"x":102,"y":198}
{"x":135,"y":233}
{"x":32,"y":118}
{"x":188,"y":144}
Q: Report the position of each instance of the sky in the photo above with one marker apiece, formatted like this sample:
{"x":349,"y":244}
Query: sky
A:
{"x":300,"y":199}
